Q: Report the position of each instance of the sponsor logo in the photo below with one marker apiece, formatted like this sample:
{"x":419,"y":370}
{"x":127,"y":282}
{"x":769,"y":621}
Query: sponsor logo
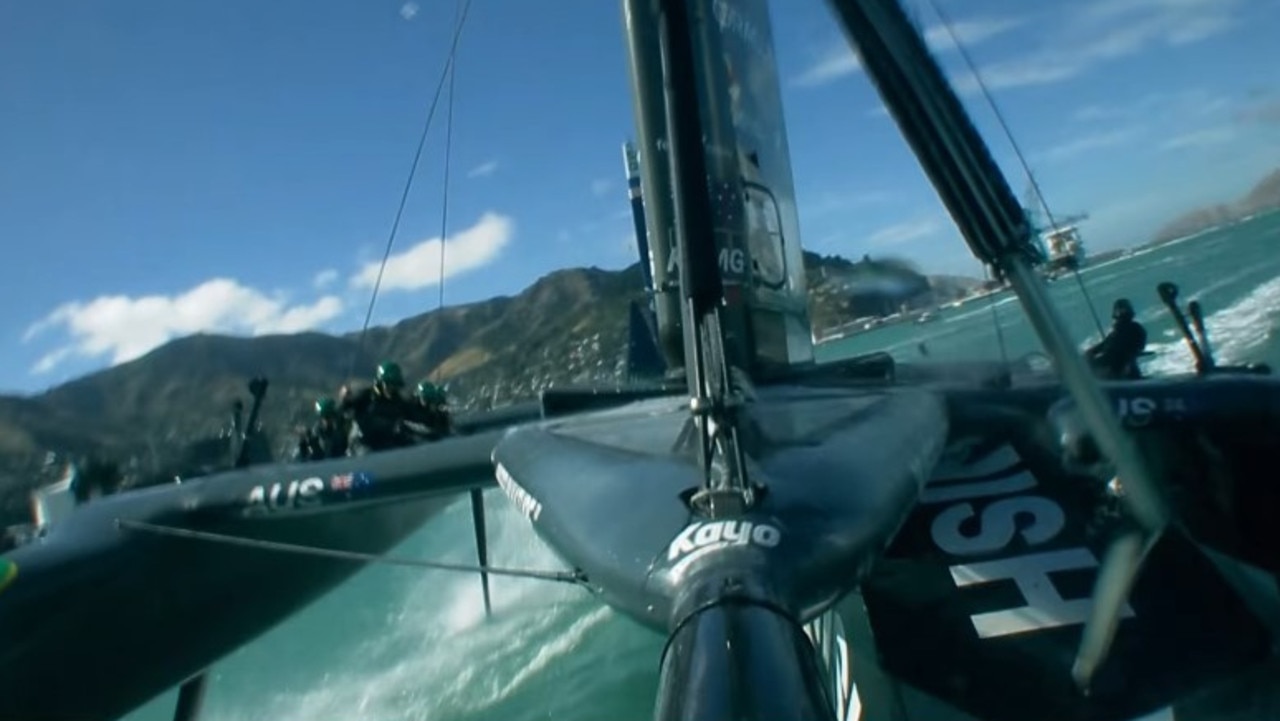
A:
{"x":990,"y":526}
{"x":8,"y":572}
{"x":704,"y":537}
{"x":1136,"y":412}
{"x":527,"y":504}
{"x":734,"y":22}
{"x":1139,"y":411}
{"x":733,"y":261}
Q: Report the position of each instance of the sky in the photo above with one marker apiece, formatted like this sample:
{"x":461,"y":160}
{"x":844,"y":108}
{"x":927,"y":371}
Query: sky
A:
{"x":235,"y":166}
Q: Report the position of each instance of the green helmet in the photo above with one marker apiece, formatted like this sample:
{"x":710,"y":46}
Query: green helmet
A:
{"x":389,"y":374}
{"x":326,"y":407}
{"x":429,"y":392}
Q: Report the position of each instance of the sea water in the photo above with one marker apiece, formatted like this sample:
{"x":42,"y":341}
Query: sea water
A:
{"x":394,"y":644}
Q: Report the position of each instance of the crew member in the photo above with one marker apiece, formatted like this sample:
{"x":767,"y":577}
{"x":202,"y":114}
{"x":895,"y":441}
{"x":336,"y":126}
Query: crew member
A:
{"x":433,"y":411}
{"x":377,"y":413}
{"x":1116,"y":356}
{"x":327,"y":438}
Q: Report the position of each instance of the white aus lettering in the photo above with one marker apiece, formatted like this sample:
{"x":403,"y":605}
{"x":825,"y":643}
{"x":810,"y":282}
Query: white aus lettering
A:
{"x":294,"y":494}
{"x":1045,"y":608}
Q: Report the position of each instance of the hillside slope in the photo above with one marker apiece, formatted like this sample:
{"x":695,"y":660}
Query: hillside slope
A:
{"x":568,"y":327}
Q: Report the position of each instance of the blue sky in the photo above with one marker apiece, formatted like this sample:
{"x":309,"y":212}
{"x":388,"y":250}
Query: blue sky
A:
{"x":170,"y":168}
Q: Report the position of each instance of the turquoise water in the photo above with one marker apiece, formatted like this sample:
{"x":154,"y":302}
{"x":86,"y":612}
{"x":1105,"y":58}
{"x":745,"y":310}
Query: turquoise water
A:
{"x":395,"y":644}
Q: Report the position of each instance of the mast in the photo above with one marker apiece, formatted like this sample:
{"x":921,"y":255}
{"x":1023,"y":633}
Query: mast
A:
{"x":755,"y":224}
{"x":709,"y":354}
{"x":645,"y":72}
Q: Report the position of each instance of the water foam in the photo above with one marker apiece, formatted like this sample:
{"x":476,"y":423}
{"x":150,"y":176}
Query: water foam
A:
{"x":436,"y":655}
{"x":1234,"y":333}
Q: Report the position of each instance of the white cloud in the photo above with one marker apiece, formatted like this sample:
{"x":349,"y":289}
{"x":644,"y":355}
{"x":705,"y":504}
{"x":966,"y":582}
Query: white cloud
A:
{"x":483,"y":169}
{"x":1086,"y":143}
{"x":409,"y":10}
{"x":967,"y":32}
{"x":1102,"y":31}
{"x":840,"y":59}
{"x":324,"y":278}
{"x":902,"y":233}
{"x":600,"y":187}
{"x":835,"y":63}
{"x":419,"y":266}
{"x":816,"y":205}
{"x":123,"y":327}
{"x":1200,"y":138}
{"x":1191,"y":102}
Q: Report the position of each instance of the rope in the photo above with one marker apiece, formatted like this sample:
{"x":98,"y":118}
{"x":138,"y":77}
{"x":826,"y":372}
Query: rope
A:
{"x":408,"y":184}
{"x":572,"y":577}
{"x":1017,"y":149}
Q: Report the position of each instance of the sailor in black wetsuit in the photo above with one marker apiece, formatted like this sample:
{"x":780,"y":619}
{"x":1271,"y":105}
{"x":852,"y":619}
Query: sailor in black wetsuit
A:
{"x":327,"y":438}
{"x":432,"y":412}
{"x":378,"y":413}
{"x":1116,"y":356}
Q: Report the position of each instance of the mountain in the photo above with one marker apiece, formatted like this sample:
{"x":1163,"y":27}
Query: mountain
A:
{"x":159,"y":414}
{"x":1263,"y":197}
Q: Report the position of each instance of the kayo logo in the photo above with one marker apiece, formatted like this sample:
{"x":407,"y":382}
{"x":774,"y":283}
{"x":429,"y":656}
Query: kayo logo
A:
{"x":720,"y":534}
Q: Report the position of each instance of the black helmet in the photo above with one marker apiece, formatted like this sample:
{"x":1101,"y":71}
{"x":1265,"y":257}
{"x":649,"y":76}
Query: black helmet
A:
{"x":1122,"y":308}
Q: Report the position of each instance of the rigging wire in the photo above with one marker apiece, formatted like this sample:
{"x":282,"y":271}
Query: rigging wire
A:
{"x":444,"y":202}
{"x":1017,"y":148}
{"x":995,"y":321}
{"x":445,"y":73}
{"x":572,"y":577}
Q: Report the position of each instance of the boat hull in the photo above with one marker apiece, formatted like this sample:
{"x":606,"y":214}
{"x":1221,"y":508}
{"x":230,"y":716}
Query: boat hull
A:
{"x":102,"y":615}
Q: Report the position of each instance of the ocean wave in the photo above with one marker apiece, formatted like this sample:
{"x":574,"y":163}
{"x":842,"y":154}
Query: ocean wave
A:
{"x":436,"y":654}
{"x":1235,"y":333}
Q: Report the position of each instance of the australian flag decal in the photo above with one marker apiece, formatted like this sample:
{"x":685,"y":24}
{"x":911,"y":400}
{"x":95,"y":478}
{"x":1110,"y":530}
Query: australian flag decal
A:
{"x":350,"y":482}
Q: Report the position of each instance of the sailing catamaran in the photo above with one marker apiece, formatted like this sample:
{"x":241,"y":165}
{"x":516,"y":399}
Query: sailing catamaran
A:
{"x":790,"y":527}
